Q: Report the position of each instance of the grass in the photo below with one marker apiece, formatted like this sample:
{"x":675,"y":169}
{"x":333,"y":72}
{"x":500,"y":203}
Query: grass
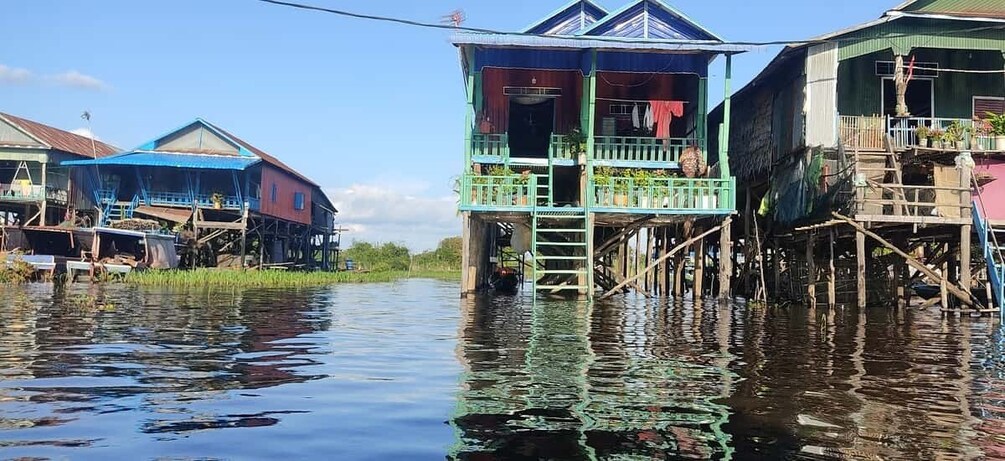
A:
{"x":272,"y":279}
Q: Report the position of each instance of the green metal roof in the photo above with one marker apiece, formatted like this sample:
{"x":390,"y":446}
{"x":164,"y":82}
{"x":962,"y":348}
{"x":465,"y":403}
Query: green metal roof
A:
{"x":971,"y":8}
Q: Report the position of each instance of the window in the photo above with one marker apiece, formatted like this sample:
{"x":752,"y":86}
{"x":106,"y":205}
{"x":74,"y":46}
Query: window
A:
{"x":985,"y":104}
{"x":298,"y":201}
{"x":275,"y":193}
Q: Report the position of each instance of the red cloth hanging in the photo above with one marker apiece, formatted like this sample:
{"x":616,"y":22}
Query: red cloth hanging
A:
{"x":663,"y":113}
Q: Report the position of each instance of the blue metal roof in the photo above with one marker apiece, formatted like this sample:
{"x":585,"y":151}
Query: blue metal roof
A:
{"x":596,"y":43}
{"x":570,"y":19}
{"x":175,"y":160}
{"x":652,"y":19}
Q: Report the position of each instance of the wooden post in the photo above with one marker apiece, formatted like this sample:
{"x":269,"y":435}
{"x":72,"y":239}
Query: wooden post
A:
{"x":747,"y":248}
{"x":861,"y":267}
{"x":811,"y":270}
{"x":965,"y":257}
{"x":467,"y":275}
{"x":899,"y":284}
{"x":699,"y":270}
{"x":943,"y":284}
{"x":831,"y":273}
{"x":777,"y":268}
{"x":45,"y":199}
{"x":725,"y":259}
{"x":900,"y":85}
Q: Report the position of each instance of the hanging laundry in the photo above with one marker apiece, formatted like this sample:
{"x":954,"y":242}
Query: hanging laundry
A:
{"x":663,"y":114}
{"x":649,"y":120}
{"x":635,"y":117}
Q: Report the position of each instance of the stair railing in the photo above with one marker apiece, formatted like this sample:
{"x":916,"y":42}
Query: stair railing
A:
{"x":993,"y":255}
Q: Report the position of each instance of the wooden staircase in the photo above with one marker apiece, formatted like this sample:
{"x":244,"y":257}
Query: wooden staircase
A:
{"x":880,"y":172}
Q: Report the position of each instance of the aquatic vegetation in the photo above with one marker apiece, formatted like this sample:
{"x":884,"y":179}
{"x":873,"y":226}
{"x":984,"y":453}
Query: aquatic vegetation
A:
{"x":17,"y":272}
{"x":272,"y":279}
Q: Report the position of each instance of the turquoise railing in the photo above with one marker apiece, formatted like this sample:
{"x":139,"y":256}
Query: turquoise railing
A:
{"x":490,"y":148}
{"x":666,"y":195}
{"x":623,"y":151}
{"x":497,"y":192}
{"x":562,"y":149}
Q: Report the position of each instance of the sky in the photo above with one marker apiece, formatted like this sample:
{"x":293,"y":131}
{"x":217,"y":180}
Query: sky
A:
{"x":373,"y":112}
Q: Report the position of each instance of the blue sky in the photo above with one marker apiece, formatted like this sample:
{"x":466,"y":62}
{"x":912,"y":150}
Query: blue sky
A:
{"x":373,"y":112}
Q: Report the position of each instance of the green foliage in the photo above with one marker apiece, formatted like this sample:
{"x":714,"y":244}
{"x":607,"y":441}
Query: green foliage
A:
{"x":602,"y":175}
{"x":216,"y":278}
{"x":576,"y":140}
{"x":446,"y":257}
{"x":386,"y":257}
{"x":921,"y":132}
{"x":17,"y":273}
{"x":997,"y":122}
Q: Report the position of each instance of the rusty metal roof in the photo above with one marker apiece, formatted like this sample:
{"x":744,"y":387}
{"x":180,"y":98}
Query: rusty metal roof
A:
{"x":264,"y":156}
{"x":962,"y":8}
{"x":57,"y":139}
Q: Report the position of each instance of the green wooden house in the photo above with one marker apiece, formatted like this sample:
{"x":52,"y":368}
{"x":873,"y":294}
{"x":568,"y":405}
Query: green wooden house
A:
{"x":36,"y":189}
{"x":582,"y":128}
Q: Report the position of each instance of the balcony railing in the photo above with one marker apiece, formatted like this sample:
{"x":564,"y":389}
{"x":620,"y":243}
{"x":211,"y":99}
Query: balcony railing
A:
{"x":869,"y":132}
{"x":184,"y":200}
{"x":513,"y":192}
{"x":665,"y":195}
{"x":490,"y":148}
{"x":21,"y":193}
{"x":620,"y":151}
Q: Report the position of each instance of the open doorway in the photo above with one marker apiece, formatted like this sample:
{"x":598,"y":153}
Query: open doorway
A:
{"x":920,"y":98}
{"x":531,"y":123}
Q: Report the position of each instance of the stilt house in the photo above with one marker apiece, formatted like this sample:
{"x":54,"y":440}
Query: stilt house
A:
{"x":882,"y":123}
{"x":227,"y":192}
{"x":583,"y":130}
{"x":36,"y":188}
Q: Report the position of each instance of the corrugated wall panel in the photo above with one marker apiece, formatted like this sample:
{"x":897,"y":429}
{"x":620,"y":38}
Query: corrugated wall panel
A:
{"x":821,"y":95}
{"x":904,"y":34}
{"x":286,"y":187}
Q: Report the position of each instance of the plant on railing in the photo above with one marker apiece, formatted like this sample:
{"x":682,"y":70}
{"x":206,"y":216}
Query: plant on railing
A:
{"x":521,"y":183}
{"x":982,"y":132}
{"x":953,"y":137}
{"x":922,"y":133}
{"x":661,"y":189}
{"x":997,"y":122}
{"x":642,"y":181}
{"x":576,"y":140}
{"x":936,"y":134}
{"x":621,"y":185}
{"x":217,"y":199}
{"x":602,"y":177}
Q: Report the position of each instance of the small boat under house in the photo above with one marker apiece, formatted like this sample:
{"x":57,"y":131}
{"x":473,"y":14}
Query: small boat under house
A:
{"x":586,"y":148}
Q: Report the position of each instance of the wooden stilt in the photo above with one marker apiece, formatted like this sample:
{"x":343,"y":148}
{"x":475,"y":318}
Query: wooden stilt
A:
{"x":943,"y":284}
{"x":725,"y":260}
{"x":966,"y":280}
{"x":776,"y":268}
{"x":811,"y":270}
{"x":861,"y":267}
{"x":699,"y":269}
{"x":831,"y":272}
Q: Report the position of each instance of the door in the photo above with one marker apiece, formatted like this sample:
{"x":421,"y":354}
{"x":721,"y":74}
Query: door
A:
{"x":531,"y":123}
{"x":920,"y":98}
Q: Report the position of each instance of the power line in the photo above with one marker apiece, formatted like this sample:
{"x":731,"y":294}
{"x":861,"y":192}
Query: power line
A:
{"x":456,"y":28}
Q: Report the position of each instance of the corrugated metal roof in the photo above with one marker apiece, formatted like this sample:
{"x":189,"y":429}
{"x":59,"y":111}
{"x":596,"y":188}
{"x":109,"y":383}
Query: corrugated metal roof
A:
{"x":60,"y":140}
{"x":965,"y":8}
{"x":598,"y":43}
{"x":174,"y":160}
{"x":264,"y":155}
{"x":651,"y":19}
{"x":571,"y":18}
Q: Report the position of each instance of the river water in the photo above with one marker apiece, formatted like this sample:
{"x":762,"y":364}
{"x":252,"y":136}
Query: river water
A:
{"x":408,"y":371}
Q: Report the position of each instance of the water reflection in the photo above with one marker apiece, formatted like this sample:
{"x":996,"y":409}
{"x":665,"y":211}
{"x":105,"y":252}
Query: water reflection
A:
{"x":643,"y":380}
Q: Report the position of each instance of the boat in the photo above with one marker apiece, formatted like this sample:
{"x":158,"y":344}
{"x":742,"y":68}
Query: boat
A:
{"x":505,"y":280}
{"x":927,"y":291}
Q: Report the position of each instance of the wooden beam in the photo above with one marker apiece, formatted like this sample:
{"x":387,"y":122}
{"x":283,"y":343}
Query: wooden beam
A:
{"x":811,"y":271}
{"x":831,"y":273}
{"x":669,"y":254}
{"x":911,"y":261}
{"x":725,"y":260}
{"x":860,"y":267}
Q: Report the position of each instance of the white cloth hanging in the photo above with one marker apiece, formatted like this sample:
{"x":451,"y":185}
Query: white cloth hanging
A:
{"x":649,"y":119}
{"x":635,"y":117}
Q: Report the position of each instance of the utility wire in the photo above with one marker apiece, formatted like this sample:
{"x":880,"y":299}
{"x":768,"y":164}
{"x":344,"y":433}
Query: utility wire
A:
{"x":409,"y":22}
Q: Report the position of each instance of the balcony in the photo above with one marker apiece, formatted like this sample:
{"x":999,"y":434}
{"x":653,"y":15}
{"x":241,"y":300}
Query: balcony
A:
{"x":184,"y":200}
{"x":493,"y":149}
{"x":870,"y":132}
{"x":497,"y":193}
{"x":638,"y":152}
{"x":666,"y":196}
{"x":22,"y":193}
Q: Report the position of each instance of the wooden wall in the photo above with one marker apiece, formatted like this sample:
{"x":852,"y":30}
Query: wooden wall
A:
{"x":496,"y":106}
{"x":286,"y":187}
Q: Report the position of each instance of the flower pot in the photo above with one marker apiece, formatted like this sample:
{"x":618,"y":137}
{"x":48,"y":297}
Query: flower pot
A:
{"x":643,"y":201}
{"x":217,"y":205}
{"x":474,"y":195}
{"x":620,"y":199}
{"x":521,"y":200}
{"x":999,"y":142}
{"x":946,"y":145}
{"x":977,"y":144}
{"x":960,"y":145}
{"x":923,"y":142}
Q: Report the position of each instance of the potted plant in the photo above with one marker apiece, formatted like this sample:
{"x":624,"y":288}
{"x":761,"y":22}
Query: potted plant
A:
{"x":981,"y":131}
{"x":954,"y":136}
{"x":661,"y":189}
{"x":478,"y":183}
{"x":576,"y":141}
{"x":643,"y":182}
{"x":621,"y":184}
{"x":520,"y":186}
{"x":922,"y":133}
{"x":217,"y":199}
{"x":501,"y":177}
{"x":997,"y":122}
{"x":602,"y":179}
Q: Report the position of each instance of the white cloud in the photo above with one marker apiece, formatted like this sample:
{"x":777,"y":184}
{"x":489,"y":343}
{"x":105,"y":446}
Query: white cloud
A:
{"x":85,"y":132}
{"x":393,"y":213}
{"x":14,"y":75}
{"x":75,"y":79}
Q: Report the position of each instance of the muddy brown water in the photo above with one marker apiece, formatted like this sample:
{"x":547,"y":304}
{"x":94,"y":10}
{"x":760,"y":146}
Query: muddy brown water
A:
{"x":406,"y":370}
